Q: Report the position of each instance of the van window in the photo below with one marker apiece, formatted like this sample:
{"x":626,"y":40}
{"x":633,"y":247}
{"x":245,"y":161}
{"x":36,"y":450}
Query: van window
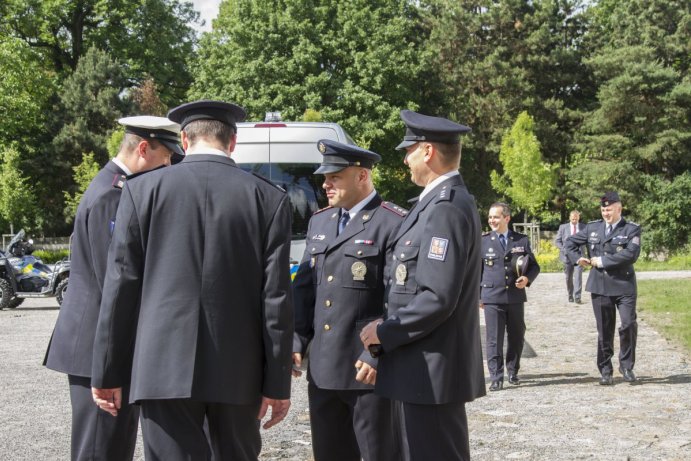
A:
{"x":304,"y":189}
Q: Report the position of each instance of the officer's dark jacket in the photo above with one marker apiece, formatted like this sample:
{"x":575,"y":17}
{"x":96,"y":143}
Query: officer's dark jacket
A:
{"x":499,"y":268}
{"x":336,"y":296}
{"x":71,"y":346}
{"x":431,"y":338}
{"x":197,"y":299}
{"x":619,"y":251}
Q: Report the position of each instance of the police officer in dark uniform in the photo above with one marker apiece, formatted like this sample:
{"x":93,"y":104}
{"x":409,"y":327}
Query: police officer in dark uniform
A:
{"x":197,"y":303}
{"x":508,"y":267}
{"x":614,"y":245}
{"x":431,"y":357}
{"x":148,"y":143}
{"x":338,"y":289}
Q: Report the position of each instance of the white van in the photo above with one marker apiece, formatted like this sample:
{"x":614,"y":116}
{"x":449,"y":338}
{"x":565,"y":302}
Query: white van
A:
{"x":286,"y":153}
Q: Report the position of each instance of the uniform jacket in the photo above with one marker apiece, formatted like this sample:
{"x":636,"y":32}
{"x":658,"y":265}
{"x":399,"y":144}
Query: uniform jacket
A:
{"x":431,"y":338}
{"x":197,"y":298}
{"x":619,"y":251}
{"x":563,"y":233}
{"x":499,"y":271}
{"x":71,"y":346}
{"x":339,"y":288}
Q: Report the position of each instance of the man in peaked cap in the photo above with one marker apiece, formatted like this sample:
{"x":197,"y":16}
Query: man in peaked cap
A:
{"x":148,"y":143}
{"x":614,"y":245}
{"x":197,"y":304}
{"x":339,"y":288}
{"x":431,"y":357}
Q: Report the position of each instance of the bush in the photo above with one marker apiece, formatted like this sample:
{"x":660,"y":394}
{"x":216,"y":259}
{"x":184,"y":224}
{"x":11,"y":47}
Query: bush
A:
{"x":51,"y":256}
{"x":548,"y":258}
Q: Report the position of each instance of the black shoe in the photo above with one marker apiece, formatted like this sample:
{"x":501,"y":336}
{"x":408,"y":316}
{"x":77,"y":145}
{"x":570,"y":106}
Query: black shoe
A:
{"x":578,"y":300}
{"x":570,"y":299}
{"x":513,"y":379}
{"x":606,"y":379}
{"x":629,"y":375}
{"x":497,"y":385}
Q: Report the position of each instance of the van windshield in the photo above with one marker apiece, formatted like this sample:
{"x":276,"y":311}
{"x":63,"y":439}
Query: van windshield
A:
{"x":304,"y":189}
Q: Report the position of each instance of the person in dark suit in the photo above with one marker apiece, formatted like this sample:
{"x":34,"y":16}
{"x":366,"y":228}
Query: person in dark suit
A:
{"x":431,"y":355}
{"x":574,"y":274}
{"x":197,"y":302}
{"x":614,"y":245}
{"x":508,"y":267}
{"x":148,"y":143}
{"x":338,"y":289}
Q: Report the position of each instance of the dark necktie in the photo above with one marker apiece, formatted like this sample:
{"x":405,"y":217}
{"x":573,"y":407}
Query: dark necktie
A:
{"x":343,"y":221}
{"x":609,"y":229}
{"x":502,"y":240}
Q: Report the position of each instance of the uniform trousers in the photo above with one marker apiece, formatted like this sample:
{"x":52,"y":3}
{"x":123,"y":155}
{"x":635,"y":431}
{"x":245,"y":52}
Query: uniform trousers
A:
{"x":350,"y":425}
{"x":574,"y":280}
{"x":96,"y":435}
{"x":174,"y":430}
{"x":431,"y":432}
{"x":605,"y":310}
{"x":500,"y":318}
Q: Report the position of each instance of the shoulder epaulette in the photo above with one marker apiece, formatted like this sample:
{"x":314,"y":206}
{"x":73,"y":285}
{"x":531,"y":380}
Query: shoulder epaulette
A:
{"x":634,"y":223}
{"x":593,"y":222}
{"x":119,"y":181}
{"x":400,"y":211}
{"x":257,"y":175}
{"x":485,"y":234}
{"x":444,"y":194}
{"x":321,"y":210}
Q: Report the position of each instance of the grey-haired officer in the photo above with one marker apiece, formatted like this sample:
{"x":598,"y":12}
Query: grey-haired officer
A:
{"x":508,"y":267}
{"x":149,"y":142}
{"x":614,"y":245}
{"x":431,"y":357}
{"x":339,"y":288}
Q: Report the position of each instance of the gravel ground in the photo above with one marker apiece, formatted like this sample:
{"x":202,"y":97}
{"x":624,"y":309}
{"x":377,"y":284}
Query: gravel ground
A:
{"x":559,"y":412}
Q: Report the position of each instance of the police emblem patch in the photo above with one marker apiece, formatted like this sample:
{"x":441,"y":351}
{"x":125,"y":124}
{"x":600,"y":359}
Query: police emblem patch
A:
{"x":437,"y":248}
{"x":401,"y":274}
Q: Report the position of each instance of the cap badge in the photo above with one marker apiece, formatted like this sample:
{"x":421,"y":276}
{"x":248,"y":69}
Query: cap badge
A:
{"x":322,"y":147}
{"x":358,"y":269}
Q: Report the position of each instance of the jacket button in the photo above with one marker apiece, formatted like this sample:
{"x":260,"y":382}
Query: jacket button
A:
{"x":507,"y":277}
{"x":327,"y":327}
{"x":327,"y":303}
{"x":330,"y":278}
{"x":359,"y":252}
{"x":506,"y":287}
{"x":402,"y":255}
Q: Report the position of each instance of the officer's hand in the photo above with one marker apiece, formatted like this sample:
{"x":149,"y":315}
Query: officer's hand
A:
{"x":522,"y":282}
{"x":109,"y":400}
{"x":583,"y":262}
{"x":482,"y":305}
{"x":368,"y":335}
{"x":596,"y":261}
{"x":365,"y":373}
{"x":297,"y":363}
{"x":279,"y":410}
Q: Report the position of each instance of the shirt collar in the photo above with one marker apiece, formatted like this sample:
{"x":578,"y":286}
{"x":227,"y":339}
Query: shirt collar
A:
{"x":205,"y":150}
{"x":361,"y":204}
{"x":122,"y":166}
{"x":438,"y":181}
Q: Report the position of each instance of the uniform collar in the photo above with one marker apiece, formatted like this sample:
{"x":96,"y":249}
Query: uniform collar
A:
{"x":438,"y":181}
{"x":122,"y":166}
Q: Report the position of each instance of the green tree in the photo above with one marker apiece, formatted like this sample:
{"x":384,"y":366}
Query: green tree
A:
{"x":17,"y":204}
{"x":357,"y":63}
{"x":527,"y":180}
{"x":83,"y":174}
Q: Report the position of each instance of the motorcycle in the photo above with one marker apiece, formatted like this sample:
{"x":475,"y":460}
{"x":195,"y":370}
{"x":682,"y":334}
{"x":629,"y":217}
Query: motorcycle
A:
{"x":23,"y":275}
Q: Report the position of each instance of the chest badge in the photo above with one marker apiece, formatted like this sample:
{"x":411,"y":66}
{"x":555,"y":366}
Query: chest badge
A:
{"x":401,"y":274}
{"x":359,"y":270}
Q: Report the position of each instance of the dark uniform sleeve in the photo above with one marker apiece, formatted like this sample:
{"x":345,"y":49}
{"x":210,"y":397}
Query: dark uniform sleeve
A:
{"x":533,"y":266}
{"x":573,"y":244}
{"x":304,"y":297}
{"x":629,"y":253}
{"x":277,"y":309}
{"x":117,"y":323}
{"x":99,"y":221}
{"x":438,"y":281}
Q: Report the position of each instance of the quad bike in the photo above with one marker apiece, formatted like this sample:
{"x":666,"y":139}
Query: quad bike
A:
{"x":25,"y":276}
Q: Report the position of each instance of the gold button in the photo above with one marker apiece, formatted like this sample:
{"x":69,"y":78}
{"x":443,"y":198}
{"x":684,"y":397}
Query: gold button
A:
{"x":313,"y":249}
{"x":507,"y":277}
{"x":359,"y":252}
{"x":506,"y":287}
{"x":402,"y":255}
{"x":331,"y":277}
{"x":327,"y":327}
{"x":328,"y":303}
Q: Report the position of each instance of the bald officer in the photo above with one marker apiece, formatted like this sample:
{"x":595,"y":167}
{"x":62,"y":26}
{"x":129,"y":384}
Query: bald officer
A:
{"x":148,"y":143}
{"x":431,"y":358}
{"x":614,"y":245}
{"x":338,"y":289}
{"x":197,"y":300}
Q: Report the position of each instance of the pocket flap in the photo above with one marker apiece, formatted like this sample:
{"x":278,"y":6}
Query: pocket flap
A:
{"x":361,"y":251}
{"x":316,"y":248}
{"x":406,"y":253}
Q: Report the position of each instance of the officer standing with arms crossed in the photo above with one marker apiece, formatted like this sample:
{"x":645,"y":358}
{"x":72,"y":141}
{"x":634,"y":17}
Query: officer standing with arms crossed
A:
{"x":148,"y":143}
{"x":431,"y":357}
{"x":614,"y":245}
{"x":338,"y":289}
{"x":508,"y":267}
{"x":197,"y":301}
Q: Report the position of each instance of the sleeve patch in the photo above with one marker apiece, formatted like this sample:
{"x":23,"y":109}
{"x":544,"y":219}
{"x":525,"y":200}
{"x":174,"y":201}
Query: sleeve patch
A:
{"x":437,"y":249}
{"x":636,"y":241}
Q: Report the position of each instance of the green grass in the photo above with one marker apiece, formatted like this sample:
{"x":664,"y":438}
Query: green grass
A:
{"x":665,"y":305}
